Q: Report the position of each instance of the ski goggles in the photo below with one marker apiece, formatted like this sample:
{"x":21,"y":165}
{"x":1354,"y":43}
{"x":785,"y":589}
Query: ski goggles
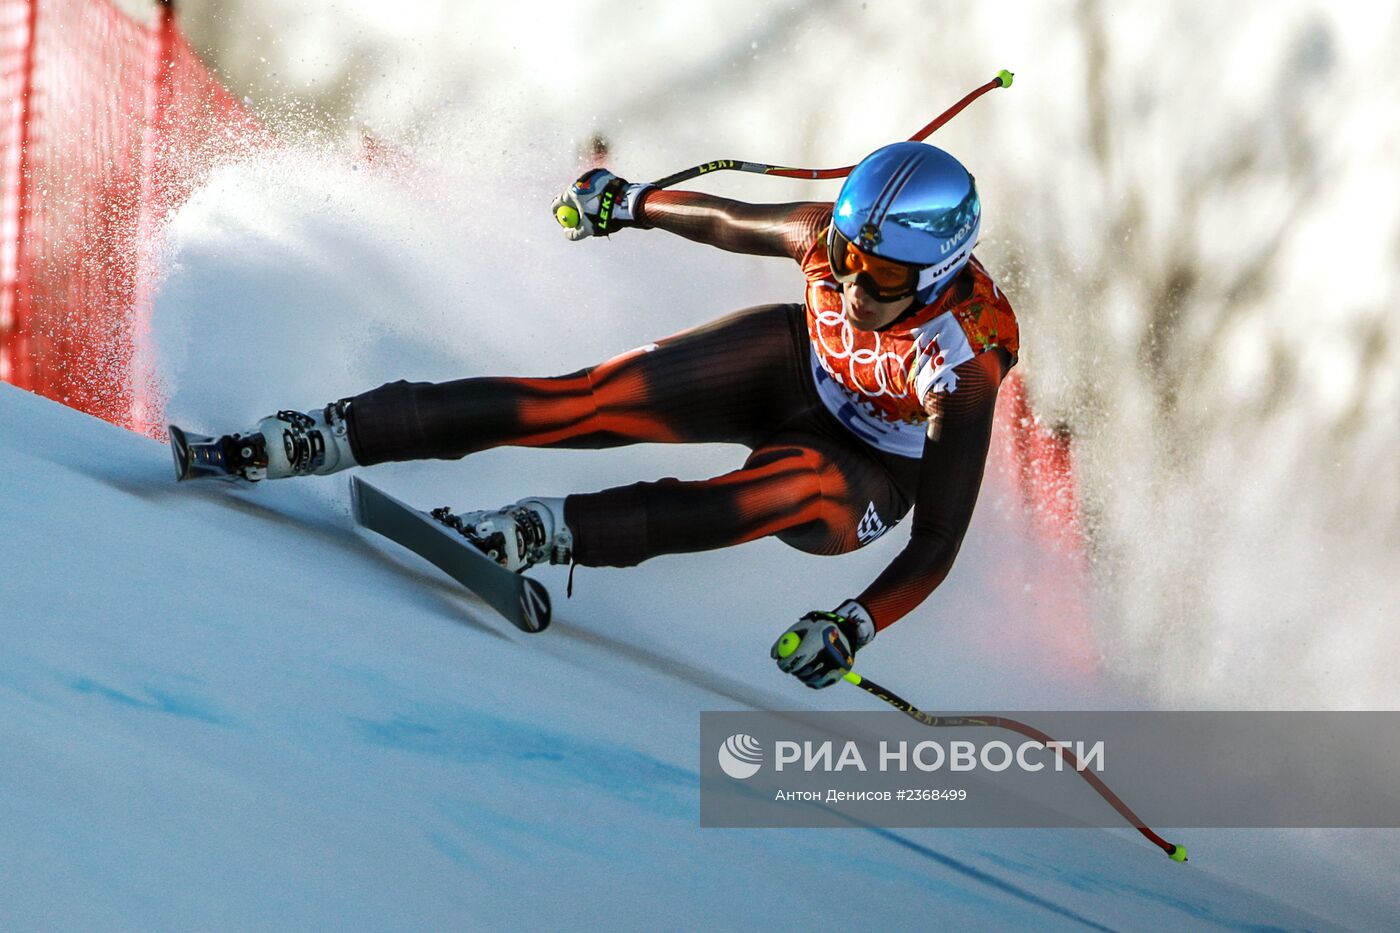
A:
{"x":884,"y":279}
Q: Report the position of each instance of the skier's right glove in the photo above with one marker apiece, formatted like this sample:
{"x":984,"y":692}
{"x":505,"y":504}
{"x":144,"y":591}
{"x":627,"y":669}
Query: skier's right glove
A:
{"x":597,"y":204}
{"x":821,"y":646}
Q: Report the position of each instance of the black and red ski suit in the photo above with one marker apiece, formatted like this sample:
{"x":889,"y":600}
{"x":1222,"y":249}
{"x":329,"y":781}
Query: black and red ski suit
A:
{"x":748,"y":378}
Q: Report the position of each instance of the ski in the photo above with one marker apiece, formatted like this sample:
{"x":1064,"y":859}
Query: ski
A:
{"x":522,"y":600}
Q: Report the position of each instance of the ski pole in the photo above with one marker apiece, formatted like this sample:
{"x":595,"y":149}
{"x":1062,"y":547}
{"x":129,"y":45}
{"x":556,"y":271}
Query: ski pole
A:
{"x":1176,"y":852}
{"x":1003,"y":79}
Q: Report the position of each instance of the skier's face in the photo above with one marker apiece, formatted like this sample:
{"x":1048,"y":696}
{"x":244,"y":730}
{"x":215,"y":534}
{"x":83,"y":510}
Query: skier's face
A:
{"x":865,"y":312}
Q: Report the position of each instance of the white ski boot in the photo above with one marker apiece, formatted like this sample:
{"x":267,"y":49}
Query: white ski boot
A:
{"x":517,"y":536}
{"x":289,"y":443}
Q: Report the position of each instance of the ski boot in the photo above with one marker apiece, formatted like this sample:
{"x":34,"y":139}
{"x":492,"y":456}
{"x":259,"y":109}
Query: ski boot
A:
{"x":289,"y":443}
{"x":517,"y":536}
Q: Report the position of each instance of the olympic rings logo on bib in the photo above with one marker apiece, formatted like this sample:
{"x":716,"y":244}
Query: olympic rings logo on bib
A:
{"x":864,"y":363}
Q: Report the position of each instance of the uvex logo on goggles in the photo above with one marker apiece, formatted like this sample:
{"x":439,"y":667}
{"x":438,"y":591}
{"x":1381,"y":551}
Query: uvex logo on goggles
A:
{"x":884,"y":279}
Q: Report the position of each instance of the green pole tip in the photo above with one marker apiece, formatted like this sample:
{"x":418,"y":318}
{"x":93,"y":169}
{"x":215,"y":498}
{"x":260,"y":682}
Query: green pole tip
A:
{"x":1005,"y":77}
{"x":1178,"y":854}
{"x":788,"y":644}
{"x":851,"y":677}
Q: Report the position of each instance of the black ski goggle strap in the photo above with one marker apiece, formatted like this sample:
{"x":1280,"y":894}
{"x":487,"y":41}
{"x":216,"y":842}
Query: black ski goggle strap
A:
{"x":883,"y":279}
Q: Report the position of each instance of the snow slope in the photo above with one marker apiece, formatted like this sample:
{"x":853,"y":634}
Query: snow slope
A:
{"x":228,"y":709}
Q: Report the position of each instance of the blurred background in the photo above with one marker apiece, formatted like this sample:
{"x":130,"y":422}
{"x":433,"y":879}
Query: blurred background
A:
{"x":1192,"y":207}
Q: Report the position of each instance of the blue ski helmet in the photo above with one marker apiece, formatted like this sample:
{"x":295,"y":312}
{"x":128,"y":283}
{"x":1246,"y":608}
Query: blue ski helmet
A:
{"x":915,"y":204}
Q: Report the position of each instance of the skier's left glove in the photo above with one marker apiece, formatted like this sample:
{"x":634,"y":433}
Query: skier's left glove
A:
{"x":597,"y":204}
{"x":821,"y":647}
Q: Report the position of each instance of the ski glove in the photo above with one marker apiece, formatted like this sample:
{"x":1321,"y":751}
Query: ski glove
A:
{"x":821,"y":647}
{"x":597,"y":204}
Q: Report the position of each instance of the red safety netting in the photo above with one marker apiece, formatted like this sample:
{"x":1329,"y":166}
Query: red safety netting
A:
{"x":107,"y":125}
{"x":1033,"y":465}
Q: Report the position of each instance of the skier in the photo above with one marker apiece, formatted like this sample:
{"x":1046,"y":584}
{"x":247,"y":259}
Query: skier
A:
{"x":874,"y":395}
